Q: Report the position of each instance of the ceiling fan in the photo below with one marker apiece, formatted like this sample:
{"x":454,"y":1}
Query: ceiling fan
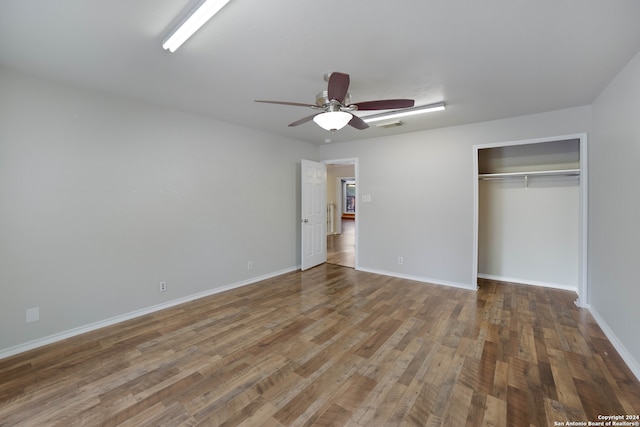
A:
{"x":335,"y":105}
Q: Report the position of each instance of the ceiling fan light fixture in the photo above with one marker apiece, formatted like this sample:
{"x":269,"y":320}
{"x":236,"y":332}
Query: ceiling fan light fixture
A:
{"x":192,"y":23}
{"x":332,"y":120}
{"x":405,"y":112}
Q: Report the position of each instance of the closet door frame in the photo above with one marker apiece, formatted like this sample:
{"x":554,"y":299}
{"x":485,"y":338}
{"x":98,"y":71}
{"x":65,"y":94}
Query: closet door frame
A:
{"x":583,"y":282}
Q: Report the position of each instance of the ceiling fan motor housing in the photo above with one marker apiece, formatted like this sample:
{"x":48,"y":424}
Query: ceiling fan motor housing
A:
{"x":322,"y":99}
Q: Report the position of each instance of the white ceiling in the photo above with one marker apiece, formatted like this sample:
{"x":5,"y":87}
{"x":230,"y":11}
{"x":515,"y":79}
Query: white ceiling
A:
{"x":487,"y":59}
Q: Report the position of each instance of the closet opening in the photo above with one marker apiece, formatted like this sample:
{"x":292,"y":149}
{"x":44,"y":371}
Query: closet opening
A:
{"x":530,"y":213}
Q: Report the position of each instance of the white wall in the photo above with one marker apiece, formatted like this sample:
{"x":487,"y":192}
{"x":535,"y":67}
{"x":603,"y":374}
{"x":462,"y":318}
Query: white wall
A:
{"x":530,"y":234}
{"x":421,"y":186}
{"x":614,"y":208}
{"x":102,"y":198}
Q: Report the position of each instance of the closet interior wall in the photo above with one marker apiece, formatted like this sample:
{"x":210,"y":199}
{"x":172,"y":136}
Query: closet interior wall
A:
{"x":529,"y":213}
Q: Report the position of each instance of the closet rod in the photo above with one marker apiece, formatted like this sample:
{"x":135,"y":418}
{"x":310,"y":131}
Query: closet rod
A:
{"x":562,"y":172}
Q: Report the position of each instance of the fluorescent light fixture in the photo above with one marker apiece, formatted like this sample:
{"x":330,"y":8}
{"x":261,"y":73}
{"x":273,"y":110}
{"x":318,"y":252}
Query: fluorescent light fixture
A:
{"x":404,"y":112}
{"x":332,"y":120}
{"x":392,"y":124}
{"x":196,"y":19}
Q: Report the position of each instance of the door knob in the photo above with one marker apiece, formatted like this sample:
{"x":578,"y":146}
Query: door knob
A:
{"x":305,"y":220}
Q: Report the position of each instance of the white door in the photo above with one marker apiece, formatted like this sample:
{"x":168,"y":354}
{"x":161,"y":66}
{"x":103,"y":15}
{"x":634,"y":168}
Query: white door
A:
{"x":314,"y":213}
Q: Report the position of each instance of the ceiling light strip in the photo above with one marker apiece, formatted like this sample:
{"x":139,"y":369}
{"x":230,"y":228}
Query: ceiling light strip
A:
{"x":196,"y":19}
{"x":405,"y":112}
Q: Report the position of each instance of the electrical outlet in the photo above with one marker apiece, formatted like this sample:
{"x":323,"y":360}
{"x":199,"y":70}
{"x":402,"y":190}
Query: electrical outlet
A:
{"x":400,"y":260}
{"x":250,"y":265}
{"x":163,"y":286}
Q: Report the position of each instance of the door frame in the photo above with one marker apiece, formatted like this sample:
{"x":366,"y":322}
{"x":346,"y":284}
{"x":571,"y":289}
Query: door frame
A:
{"x":583,"y":299}
{"x":356,"y":172}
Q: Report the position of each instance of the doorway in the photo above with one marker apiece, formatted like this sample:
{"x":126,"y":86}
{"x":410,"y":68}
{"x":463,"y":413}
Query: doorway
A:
{"x":342,"y":212}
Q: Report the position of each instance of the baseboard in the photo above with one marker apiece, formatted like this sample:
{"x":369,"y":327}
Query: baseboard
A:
{"x":11,"y":351}
{"x":418,"y":278}
{"x":528,"y":282}
{"x":631,"y":362}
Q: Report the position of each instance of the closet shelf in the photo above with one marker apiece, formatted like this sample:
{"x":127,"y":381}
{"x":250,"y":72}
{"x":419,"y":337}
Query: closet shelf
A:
{"x":560,"y":172}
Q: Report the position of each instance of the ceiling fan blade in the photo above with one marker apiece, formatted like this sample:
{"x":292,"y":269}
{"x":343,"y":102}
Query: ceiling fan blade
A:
{"x":295,"y":104}
{"x":303,"y":120}
{"x":358,"y":123}
{"x":338,"y":86}
{"x":385,"y":104}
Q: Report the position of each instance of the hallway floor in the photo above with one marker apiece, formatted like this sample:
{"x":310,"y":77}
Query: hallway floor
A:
{"x":341,"y":247}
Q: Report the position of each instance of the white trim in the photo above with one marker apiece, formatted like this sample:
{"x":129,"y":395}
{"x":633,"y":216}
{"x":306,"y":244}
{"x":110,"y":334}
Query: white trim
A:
{"x":11,"y":351}
{"x":533,"y":141}
{"x":626,"y":356}
{"x":476,"y":216}
{"x":419,"y":279}
{"x":582,"y":290}
{"x":528,"y":282}
{"x":584,"y":295}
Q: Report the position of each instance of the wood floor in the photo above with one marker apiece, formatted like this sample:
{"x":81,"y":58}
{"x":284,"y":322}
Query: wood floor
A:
{"x":331,"y":346}
{"x":341,"y":247}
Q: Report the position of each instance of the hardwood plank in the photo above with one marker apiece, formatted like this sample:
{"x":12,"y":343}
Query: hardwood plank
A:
{"x":517,"y":407}
{"x":495,"y":413}
{"x":565,"y":386}
{"x":458,"y":406}
{"x":557,"y":412}
{"x":501,"y":380}
{"x":314,"y":392}
{"x":626,"y":393}
{"x":420,"y":410}
{"x":386,"y":397}
{"x":334,"y":415}
{"x":346,"y":399}
{"x":476,"y":413}
{"x":388,"y":390}
{"x":487,"y":367}
{"x":356,"y":390}
{"x":331,"y":346}
{"x":546,"y":380}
